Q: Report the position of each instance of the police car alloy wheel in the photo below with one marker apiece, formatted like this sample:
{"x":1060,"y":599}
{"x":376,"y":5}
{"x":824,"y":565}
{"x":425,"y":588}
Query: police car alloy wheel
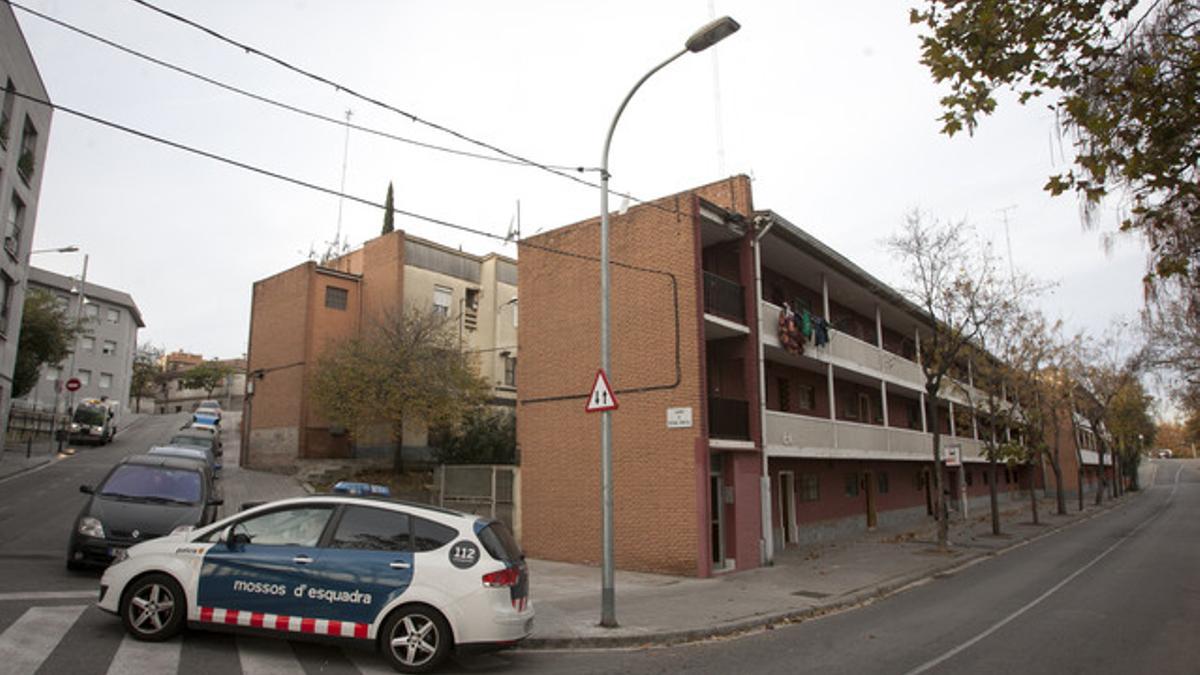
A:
{"x":153,"y":608}
{"x":416,"y":639}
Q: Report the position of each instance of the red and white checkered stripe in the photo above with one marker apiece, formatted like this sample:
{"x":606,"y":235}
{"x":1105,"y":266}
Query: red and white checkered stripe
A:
{"x":293,"y":624}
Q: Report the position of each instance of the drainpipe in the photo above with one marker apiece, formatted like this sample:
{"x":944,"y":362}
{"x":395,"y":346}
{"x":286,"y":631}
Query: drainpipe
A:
{"x":767,"y":543}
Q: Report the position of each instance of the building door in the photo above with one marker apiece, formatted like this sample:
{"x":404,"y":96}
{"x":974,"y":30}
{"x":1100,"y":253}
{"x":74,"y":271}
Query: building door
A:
{"x":787,"y":506}
{"x":869,"y":479}
{"x":717,"y":512}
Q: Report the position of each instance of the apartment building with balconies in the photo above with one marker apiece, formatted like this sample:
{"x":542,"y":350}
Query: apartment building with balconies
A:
{"x":297,"y":313}
{"x":795,"y":430}
{"x":24,"y":135}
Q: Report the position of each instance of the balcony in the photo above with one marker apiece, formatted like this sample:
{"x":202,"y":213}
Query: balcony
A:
{"x":724,"y":298}
{"x":792,"y":435}
{"x":728,"y":419}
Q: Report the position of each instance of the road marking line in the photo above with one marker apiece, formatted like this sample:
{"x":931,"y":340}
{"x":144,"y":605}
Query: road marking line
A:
{"x":29,"y":640}
{"x":135,"y":657}
{"x":266,"y":656}
{"x":50,"y":595}
{"x":1038,"y":600}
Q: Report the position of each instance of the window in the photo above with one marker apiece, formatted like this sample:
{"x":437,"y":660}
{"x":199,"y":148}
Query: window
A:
{"x":864,"y":408}
{"x":372,"y":529}
{"x":110,"y":348}
{"x":851,"y":485}
{"x":785,"y":398}
{"x":6,"y":288}
{"x":289,"y":527}
{"x":441,"y":299}
{"x":105,"y":380}
{"x":510,"y":371}
{"x":914,"y":415}
{"x":85,"y":378}
{"x":809,"y":487}
{"x":969,"y":476}
{"x":87,"y":343}
{"x":25,"y":159}
{"x":10,"y":95}
{"x":336,"y":298}
{"x":13,"y":225}
{"x":91,"y":309}
{"x":472,"y":299}
{"x":881,"y":479}
{"x":430,"y":536}
{"x":114,"y":315}
{"x":806,"y":397}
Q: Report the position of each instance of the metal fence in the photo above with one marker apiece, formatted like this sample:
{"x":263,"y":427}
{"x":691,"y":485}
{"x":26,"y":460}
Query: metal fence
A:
{"x":28,"y":424}
{"x":482,"y":489}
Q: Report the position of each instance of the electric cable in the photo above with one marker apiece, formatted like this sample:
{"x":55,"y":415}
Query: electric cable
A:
{"x":416,"y":216}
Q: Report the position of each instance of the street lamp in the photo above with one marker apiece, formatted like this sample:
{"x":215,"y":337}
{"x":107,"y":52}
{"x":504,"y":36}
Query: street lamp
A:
{"x":61,"y":249}
{"x":58,"y":384}
{"x":707,"y":36}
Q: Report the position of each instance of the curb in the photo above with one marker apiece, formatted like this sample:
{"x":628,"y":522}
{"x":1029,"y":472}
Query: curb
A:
{"x":769,"y":621}
{"x":27,"y":469}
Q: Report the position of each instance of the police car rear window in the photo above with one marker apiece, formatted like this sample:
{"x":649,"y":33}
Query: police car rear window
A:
{"x":372,"y":529}
{"x":430,"y":536}
{"x":500,"y":542}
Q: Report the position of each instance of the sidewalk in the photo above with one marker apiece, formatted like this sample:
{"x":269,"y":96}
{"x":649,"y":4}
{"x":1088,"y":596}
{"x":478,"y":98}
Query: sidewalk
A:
{"x":18,"y":458}
{"x":805,"y":582}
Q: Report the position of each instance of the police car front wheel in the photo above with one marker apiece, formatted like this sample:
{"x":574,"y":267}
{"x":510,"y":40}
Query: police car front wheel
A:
{"x":153,"y":608}
{"x":416,"y":639}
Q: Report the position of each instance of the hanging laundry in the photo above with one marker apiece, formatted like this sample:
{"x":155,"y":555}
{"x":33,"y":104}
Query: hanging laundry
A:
{"x":789,"y":331}
{"x":821,"y":331}
{"x":806,"y":324}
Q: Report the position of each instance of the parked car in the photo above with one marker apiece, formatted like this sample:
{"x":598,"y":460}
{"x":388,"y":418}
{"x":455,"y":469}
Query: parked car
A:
{"x":414,"y":581}
{"x":198,"y":454}
{"x":197,"y":438}
{"x":210,"y":408}
{"x":143,"y":497}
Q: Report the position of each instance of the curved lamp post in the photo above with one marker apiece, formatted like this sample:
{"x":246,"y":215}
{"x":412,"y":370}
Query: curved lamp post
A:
{"x":707,"y":36}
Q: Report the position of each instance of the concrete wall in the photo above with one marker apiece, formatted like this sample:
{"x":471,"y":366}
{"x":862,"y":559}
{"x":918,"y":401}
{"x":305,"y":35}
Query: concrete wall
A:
{"x":17,"y":66}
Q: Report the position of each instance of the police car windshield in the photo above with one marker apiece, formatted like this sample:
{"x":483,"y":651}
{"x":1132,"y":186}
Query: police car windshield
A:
{"x":153,"y":484}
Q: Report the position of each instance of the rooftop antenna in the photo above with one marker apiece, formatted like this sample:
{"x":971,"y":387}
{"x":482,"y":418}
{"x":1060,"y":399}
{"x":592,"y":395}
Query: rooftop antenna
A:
{"x":1012,"y":271}
{"x":342,"y":192}
{"x":720,"y":126}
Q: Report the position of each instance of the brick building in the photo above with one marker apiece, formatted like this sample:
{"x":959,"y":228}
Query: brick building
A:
{"x":727,"y":445}
{"x":296,"y":313}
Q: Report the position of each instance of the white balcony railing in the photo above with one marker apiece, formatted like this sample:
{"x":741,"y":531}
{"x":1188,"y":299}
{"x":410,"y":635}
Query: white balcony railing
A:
{"x":820,"y":437}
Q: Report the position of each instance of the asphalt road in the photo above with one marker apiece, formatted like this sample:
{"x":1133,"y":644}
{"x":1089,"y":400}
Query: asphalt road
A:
{"x":1118,"y":593}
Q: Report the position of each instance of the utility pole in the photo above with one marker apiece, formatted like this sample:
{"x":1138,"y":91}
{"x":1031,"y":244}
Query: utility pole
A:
{"x":75,"y":349}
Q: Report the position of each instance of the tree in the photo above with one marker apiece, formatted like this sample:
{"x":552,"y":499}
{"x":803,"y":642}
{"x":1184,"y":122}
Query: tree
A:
{"x":389,"y":212}
{"x":47,"y":336}
{"x":1132,"y":426}
{"x":147,"y":376}
{"x":406,"y":368}
{"x":207,"y":376}
{"x":1123,"y":77}
{"x":956,"y":287}
{"x":485,"y":436}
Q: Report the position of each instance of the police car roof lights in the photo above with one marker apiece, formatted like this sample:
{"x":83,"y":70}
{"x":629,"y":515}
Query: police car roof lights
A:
{"x":345,"y":487}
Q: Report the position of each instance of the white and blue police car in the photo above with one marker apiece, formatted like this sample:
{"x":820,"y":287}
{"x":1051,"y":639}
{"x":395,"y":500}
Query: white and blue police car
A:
{"x":413,"y":580}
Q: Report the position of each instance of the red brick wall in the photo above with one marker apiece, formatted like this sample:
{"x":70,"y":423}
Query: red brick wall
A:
{"x":655,"y":469}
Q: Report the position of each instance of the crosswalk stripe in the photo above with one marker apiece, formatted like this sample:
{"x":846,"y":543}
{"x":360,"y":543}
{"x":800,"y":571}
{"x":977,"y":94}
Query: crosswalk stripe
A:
{"x":266,"y":656}
{"x":31,"y":638}
{"x":134,"y":657}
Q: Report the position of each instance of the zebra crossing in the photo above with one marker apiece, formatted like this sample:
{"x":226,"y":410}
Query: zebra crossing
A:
{"x":29,"y":641}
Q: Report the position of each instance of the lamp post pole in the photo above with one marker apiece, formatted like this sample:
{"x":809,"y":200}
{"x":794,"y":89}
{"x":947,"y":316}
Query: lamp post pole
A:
{"x":75,"y":348}
{"x":702,"y":39}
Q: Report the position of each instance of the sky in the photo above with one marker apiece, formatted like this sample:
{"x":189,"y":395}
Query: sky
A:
{"x":824,"y":105}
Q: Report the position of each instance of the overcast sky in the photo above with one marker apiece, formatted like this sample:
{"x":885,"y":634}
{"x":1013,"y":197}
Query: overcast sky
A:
{"x":824,"y":105}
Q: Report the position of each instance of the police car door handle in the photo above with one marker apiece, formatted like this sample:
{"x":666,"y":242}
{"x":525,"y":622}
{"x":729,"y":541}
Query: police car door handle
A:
{"x":302,"y":560}
{"x":399,"y":565}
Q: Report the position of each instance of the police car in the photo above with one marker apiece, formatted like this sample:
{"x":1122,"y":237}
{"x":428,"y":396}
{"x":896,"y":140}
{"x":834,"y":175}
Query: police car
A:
{"x":413,"y":580}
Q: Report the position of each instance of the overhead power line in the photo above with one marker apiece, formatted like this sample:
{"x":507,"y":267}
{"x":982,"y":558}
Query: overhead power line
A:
{"x":338,"y":86}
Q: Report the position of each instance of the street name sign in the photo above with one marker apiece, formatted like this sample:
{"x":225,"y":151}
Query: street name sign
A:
{"x":602,"y":397}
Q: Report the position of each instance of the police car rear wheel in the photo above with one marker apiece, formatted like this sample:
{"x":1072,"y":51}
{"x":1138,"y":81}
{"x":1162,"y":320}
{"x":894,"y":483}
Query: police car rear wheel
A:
{"x":153,"y":608}
{"x":416,"y":639}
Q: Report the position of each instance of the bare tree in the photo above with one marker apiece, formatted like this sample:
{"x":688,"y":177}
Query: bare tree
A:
{"x":955,"y":282}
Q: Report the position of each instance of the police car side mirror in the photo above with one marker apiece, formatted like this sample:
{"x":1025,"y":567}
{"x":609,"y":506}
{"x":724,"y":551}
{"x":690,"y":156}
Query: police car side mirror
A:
{"x":216,"y":502}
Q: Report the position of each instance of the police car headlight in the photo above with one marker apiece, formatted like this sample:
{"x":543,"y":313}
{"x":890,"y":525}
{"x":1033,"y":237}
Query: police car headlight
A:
{"x":91,"y":527}
{"x":120,"y":555}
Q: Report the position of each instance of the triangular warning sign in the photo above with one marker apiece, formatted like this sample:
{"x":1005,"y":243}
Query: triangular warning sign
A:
{"x":602,"y":395}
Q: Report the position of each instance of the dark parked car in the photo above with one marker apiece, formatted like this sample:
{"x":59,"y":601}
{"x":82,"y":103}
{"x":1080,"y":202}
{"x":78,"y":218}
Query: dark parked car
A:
{"x":141,"y":498}
{"x":197,"y":438}
{"x":199,"y":454}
